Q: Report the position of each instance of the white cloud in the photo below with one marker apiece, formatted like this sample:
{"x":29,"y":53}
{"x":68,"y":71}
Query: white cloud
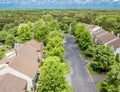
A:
{"x":116,"y":1}
{"x":83,"y":1}
{"x":33,"y":1}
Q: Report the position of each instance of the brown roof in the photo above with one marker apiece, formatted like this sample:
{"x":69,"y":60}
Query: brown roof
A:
{"x":34,"y":44}
{"x":115,"y":44}
{"x":99,"y":32}
{"x":25,"y":61}
{"x":90,"y":27}
{"x":28,"y":52}
{"x":11,"y":83}
{"x":107,"y":37}
{"x":4,"y":60}
{"x":25,"y":65}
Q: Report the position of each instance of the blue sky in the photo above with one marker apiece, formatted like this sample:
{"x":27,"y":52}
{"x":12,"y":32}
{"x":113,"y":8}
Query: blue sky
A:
{"x":114,"y":4}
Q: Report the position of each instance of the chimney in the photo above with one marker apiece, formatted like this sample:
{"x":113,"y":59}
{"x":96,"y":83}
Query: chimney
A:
{"x":16,"y":51}
{"x":16,"y":47}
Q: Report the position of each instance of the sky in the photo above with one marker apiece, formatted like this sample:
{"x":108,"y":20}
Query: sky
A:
{"x":59,"y":4}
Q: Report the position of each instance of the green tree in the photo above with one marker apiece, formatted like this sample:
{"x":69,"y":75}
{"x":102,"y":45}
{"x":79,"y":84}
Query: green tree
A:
{"x":52,"y":77}
{"x":55,"y":47}
{"x":8,"y":26}
{"x":54,"y":42}
{"x":3,"y":35}
{"x":112,"y":82}
{"x":90,"y":51}
{"x":41,"y":32}
{"x":56,"y":51}
{"x":83,"y":37}
{"x":110,"y":23}
{"x":25,"y":33}
{"x":10,"y":40}
{"x":103,"y":58}
{"x":117,"y":57}
{"x":55,"y":33}
{"x":47,"y":17}
{"x":1,"y":54}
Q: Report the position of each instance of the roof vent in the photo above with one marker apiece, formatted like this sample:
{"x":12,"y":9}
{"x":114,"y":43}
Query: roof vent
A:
{"x":7,"y":62}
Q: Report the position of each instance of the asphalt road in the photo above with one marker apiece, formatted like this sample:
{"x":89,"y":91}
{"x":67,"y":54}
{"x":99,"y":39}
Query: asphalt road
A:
{"x":80,"y":77}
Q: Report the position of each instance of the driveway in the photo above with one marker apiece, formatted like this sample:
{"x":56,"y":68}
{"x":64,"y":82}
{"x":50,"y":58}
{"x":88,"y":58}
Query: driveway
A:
{"x":81,"y":80}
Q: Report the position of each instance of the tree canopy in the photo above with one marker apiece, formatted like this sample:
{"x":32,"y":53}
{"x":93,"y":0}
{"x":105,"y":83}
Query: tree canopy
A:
{"x":83,"y":37}
{"x":103,"y":58}
{"x":112,"y":82}
{"x":52,"y":77}
{"x":25,"y":32}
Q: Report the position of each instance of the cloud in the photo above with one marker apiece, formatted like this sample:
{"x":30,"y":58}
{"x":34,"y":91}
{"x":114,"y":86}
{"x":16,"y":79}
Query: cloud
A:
{"x":34,"y":1}
{"x":59,"y":3}
{"x":5,"y":1}
{"x":116,"y":1}
{"x":82,"y":1}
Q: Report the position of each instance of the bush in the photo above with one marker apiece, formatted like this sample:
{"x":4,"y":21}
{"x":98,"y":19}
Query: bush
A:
{"x":1,"y":54}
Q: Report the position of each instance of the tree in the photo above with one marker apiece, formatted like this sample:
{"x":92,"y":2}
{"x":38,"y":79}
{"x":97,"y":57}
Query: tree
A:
{"x":112,"y":82}
{"x":90,"y":51}
{"x":117,"y":57}
{"x":52,"y":77}
{"x":54,"y":42}
{"x":55,"y":46}
{"x":41,"y":32}
{"x":1,"y":54}
{"x":3,"y":35}
{"x":10,"y":40}
{"x":109,"y":23}
{"x":47,"y":17}
{"x":24,"y":33}
{"x":73,"y":24}
{"x":56,"y":33}
{"x":56,"y":51}
{"x":103,"y":58}
{"x":83,"y":37}
{"x":8,"y":26}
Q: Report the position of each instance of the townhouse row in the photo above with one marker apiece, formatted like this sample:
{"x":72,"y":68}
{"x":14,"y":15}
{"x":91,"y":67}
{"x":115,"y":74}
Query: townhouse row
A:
{"x":19,"y":68}
{"x":101,"y":36}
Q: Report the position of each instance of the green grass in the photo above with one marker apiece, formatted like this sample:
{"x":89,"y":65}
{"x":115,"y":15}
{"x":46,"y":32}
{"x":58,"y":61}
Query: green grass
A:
{"x":86,"y":57}
{"x":67,"y":66}
{"x":98,"y":85}
{"x":92,"y":72}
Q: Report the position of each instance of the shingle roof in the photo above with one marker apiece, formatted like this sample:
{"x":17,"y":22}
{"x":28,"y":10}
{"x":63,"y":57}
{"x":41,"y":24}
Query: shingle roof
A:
{"x":25,"y":65}
{"x":107,"y":37}
{"x":25,"y":61}
{"x":90,"y":27}
{"x":28,"y":52}
{"x":99,"y":32}
{"x":34,"y":44}
{"x":115,"y":44}
{"x":11,"y":83}
{"x":4,"y":60}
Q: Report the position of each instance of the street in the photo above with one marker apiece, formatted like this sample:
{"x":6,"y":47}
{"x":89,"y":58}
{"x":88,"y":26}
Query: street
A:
{"x":80,"y":77}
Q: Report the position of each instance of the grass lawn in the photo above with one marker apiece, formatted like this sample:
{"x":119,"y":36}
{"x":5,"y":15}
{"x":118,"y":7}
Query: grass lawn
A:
{"x":92,"y":72}
{"x":98,"y":85}
{"x":86,"y":57}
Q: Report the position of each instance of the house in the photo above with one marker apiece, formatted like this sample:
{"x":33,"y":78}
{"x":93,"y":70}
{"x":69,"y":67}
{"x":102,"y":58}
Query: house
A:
{"x":11,"y":83}
{"x":105,"y":38}
{"x":97,"y":34}
{"x":92,"y":29}
{"x":115,"y":45}
{"x":101,"y":36}
{"x":37,"y":46}
{"x":22,"y":63}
